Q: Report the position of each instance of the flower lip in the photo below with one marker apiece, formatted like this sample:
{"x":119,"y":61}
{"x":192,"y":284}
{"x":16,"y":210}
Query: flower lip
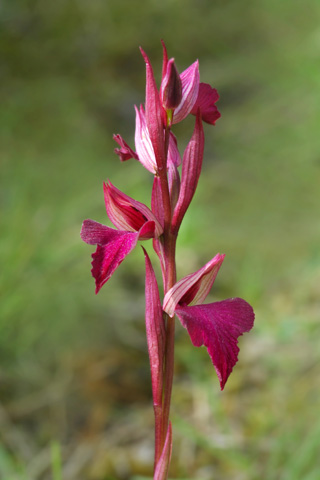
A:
{"x":193,"y":288}
{"x":218,"y":326}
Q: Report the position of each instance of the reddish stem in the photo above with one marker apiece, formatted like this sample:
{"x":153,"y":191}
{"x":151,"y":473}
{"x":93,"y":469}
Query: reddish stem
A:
{"x":169,"y":275}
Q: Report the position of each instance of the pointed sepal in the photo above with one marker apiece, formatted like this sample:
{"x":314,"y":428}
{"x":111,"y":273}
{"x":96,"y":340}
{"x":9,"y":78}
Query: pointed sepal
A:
{"x":154,"y":117}
{"x":143,"y":142}
{"x":193,"y":288}
{"x":112,"y":247}
{"x":155,"y":330}
{"x":126,"y":213}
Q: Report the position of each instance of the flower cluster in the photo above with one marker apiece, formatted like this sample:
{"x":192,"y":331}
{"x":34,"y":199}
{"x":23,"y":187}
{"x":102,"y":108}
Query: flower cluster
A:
{"x":215,"y":325}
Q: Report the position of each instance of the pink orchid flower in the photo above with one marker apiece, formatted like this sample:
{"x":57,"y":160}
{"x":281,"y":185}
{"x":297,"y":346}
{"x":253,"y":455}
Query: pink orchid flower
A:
{"x":194,"y":94}
{"x":144,"y":148}
{"x":216,"y":325}
{"x":134,"y":221}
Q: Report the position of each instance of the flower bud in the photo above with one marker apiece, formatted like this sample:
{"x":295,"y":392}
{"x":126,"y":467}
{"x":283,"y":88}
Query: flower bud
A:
{"x":171,"y":87}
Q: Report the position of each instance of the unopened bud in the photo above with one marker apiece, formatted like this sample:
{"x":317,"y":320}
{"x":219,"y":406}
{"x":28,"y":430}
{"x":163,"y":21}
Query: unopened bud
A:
{"x":171,"y":88}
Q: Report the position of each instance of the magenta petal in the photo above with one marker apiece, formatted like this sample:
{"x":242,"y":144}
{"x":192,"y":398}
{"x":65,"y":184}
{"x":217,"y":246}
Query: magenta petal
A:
{"x":112,"y":247}
{"x":108,"y":256}
{"x":218,"y":326}
{"x":206,"y":100}
{"x":155,"y":331}
{"x":124,"y":152}
{"x":162,"y":467}
{"x":94,"y":233}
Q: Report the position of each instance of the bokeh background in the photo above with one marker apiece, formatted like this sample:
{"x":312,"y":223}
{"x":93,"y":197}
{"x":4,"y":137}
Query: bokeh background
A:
{"x":75,"y":399}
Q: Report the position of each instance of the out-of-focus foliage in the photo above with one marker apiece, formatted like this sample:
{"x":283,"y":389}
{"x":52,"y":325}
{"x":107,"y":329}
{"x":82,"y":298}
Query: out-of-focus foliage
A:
{"x":74,"y":366}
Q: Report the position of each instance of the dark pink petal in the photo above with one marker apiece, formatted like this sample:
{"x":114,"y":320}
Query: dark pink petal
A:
{"x":108,"y":257}
{"x":94,"y":233}
{"x":206,"y":100}
{"x":218,"y":326}
{"x":126,"y":213}
{"x":190,"y":79}
{"x":154,"y":119}
{"x":112,"y":247}
{"x":155,"y":331}
{"x":162,"y":467}
{"x":191,"y":169}
{"x":193,"y":288}
{"x":124,"y":152}
{"x":171,"y":87}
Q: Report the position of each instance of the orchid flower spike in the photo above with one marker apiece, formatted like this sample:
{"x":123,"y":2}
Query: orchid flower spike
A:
{"x":134,"y":221}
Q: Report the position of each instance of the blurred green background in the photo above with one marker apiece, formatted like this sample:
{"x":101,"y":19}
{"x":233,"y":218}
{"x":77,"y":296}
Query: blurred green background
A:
{"x":75,"y":399}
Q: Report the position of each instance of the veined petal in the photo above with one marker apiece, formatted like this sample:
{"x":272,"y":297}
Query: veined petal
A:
{"x":112,"y":247}
{"x":126,"y":213}
{"x":218,"y":326}
{"x":193,"y":288}
{"x":124,"y":152}
{"x":143,"y":143}
{"x":207,"y":97}
{"x":154,"y":111}
{"x":191,"y":169}
{"x":155,"y":331}
{"x":190,"y":79}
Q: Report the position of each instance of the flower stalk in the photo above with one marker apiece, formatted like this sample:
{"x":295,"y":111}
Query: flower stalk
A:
{"x":216,"y":325}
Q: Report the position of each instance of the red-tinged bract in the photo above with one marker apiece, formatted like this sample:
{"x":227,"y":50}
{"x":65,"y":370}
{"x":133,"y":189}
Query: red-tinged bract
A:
{"x":191,"y":169}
